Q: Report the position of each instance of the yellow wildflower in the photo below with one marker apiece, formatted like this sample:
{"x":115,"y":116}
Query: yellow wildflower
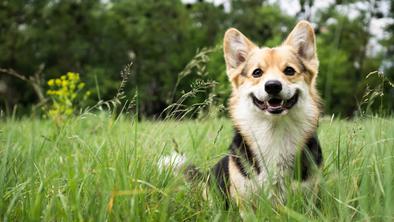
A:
{"x":51,"y":82}
{"x":70,"y":75}
{"x":81,"y":85}
{"x":72,"y":86}
{"x":64,"y":91}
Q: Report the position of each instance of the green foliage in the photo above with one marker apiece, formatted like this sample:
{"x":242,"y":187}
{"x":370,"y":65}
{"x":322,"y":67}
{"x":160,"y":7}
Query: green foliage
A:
{"x":374,"y":99}
{"x":344,"y":62}
{"x":388,"y":62}
{"x":97,"y":168}
{"x":97,"y":38}
{"x":66,"y":94}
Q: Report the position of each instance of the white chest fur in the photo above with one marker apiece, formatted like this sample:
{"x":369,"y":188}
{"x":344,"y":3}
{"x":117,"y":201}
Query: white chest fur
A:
{"x":274,"y":140}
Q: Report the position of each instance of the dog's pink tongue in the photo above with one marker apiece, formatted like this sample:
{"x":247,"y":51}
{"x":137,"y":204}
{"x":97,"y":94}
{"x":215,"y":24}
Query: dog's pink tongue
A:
{"x":275,"y":102}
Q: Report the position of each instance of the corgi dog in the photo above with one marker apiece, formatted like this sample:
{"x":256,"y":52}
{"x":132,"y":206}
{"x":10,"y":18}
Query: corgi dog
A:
{"x":275,"y":110}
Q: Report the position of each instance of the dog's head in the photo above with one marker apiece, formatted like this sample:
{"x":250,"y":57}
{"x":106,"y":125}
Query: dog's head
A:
{"x":273,"y":81}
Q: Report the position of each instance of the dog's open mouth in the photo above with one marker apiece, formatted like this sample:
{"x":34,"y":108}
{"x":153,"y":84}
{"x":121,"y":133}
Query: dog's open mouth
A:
{"x":275,"y":105}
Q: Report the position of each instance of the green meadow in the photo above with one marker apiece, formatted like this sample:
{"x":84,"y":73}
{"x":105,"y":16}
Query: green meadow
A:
{"x":94,"y":93}
{"x":99,"y":168}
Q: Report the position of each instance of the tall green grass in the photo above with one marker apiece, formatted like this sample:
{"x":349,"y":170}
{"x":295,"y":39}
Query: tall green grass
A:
{"x":97,"y":168}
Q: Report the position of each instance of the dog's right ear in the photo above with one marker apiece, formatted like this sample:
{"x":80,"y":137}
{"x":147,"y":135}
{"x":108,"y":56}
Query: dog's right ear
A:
{"x":236,"y":49}
{"x":302,"y":39}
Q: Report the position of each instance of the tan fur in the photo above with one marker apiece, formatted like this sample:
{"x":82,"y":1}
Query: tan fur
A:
{"x":243,"y":56}
{"x":274,"y":60}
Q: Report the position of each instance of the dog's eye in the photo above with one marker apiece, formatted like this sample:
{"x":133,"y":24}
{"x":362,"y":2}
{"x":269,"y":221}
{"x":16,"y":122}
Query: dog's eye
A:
{"x":289,"y":71}
{"x":257,"y":73}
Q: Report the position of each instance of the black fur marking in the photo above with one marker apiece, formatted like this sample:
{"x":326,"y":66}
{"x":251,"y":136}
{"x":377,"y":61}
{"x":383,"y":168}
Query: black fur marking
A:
{"x":222,"y":175}
{"x":240,"y":152}
{"x":311,"y":155}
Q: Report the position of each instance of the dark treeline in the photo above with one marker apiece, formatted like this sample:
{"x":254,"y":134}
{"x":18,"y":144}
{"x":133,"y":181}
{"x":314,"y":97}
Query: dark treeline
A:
{"x":98,"y":38}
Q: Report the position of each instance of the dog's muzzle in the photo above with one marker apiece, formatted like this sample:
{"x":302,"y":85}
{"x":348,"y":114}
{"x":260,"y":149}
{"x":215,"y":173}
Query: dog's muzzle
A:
{"x":275,"y":104}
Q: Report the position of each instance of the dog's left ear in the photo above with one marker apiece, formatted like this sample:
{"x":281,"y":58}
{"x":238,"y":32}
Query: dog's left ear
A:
{"x":236,"y":48}
{"x":302,"y":39}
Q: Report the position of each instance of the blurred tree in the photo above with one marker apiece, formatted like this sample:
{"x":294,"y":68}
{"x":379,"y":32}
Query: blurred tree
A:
{"x":344,"y":58}
{"x":97,"y":38}
{"x":259,"y":20}
{"x":159,"y":37}
{"x":16,"y":17}
{"x":62,"y":35}
{"x":388,"y":63}
{"x":208,"y":25}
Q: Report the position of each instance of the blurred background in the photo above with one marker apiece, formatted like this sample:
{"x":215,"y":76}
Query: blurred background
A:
{"x":175,"y":48}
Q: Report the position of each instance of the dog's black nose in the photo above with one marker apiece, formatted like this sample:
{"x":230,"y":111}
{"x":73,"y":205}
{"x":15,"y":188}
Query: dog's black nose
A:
{"x":273,"y":87}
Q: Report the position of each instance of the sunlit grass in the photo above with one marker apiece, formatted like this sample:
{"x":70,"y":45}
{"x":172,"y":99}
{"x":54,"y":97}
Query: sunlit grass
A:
{"x":96,"y":168}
